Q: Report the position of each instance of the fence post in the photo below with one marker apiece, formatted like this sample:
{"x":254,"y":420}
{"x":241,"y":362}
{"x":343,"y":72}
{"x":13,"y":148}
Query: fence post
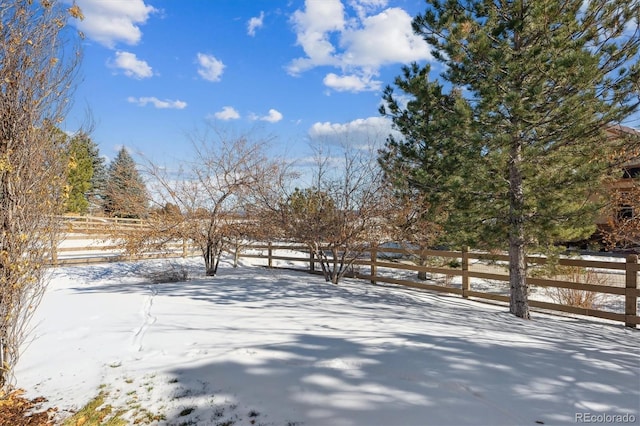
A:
{"x":374,"y":266}
{"x":270,"y":255}
{"x":312,"y":261}
{"x":54,"y":251}
{"x":184,"y":247}
{"x":465,"y":272}
{"x":631,"y":284}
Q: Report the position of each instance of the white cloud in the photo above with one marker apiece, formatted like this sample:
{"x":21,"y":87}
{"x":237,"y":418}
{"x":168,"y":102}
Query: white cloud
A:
{"x":351,"y":83}
{"x":227,"y":113}
{"x":160,"y":104}
{"x":131,"y":65}
{"x":358,"y":45}
{"x":364,"y":133}
{"x":111,"y":22}
{"x":360,"y":125}
{"x":313,"y":29}
{"x":384,"y":38}
{"x":255,"y":23}
{"x":273,"y":117}
{"x":210,"y":68}
{"x":365,"y":7}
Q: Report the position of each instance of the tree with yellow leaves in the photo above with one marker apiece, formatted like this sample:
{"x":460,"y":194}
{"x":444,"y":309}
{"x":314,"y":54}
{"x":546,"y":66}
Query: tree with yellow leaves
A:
{"x":38,"y":63}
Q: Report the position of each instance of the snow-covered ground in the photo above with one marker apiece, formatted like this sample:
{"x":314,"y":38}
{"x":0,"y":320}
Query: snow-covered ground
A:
{"x":276,"y":347}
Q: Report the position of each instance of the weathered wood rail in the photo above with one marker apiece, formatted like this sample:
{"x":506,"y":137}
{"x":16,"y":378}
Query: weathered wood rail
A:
{"x":622,"y":282}
{"x":91,"y":240}
{"x":86,"y":240}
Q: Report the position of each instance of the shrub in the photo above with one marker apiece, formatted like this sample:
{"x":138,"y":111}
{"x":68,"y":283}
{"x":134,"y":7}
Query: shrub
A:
{"x":573,"y":297}
{"x":173,"y":274}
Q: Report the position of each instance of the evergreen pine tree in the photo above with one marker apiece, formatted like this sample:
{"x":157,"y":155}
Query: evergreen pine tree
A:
{"x":99,"y":177}
{"x":125,"y":192}
{"x":421,"y":165}
{"x":79,"y":175}
{"x":544,"y":79}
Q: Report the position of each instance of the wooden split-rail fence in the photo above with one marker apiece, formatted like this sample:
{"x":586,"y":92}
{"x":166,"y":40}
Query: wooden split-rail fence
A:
{"x":617,"y":280}
{"x":86,"y":239}
{"x":476,"y":275}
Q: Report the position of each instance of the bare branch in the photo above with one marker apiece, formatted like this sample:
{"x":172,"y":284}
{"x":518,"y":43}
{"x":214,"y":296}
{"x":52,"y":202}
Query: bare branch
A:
{"x":37,"y":71}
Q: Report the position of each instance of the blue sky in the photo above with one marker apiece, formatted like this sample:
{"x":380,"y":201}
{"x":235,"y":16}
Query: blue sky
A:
{"x":295,"y":71}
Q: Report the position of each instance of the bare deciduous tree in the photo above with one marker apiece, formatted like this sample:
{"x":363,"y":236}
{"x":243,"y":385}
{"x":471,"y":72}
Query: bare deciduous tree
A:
{"x":214,"y":193}
{"x":245,"y":230}
{"x":622,"y":191}
{"x":340,"y":216}
{"x":410,"y":222}
{"x":623,"y":227}
{"x":38,"y":63}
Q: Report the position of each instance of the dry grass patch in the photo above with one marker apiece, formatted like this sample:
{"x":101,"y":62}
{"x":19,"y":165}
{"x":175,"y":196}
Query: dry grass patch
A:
{"x":573,"y":297}
{"x":96,"y":412}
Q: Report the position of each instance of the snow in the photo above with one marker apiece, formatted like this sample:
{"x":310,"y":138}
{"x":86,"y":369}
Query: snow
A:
{"x":277,"y":347}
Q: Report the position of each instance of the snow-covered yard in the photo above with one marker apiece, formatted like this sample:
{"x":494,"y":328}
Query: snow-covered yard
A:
{"x":276,"y":347}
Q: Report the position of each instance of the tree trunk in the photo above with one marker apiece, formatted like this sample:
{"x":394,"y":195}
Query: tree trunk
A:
{"x":209,"y":260}
{"x":335,"y":273}
{"x":4,"y":359}
{"x":422,"y":275}
{"x":519,"y":300}
{"x":217,"y":256}
{"x":519,"y":303}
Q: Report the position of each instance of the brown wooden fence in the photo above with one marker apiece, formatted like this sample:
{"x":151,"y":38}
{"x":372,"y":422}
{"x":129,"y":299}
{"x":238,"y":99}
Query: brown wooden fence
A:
{"x":389,"y":265}
{"x":86,"y":239}
{"x":90,"y":240}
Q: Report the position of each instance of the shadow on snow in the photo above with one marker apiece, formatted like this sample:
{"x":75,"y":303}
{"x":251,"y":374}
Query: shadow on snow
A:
{"x":363,"y":354}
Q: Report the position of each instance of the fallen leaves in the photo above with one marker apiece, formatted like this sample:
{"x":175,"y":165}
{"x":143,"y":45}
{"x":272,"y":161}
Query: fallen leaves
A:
{"x":16,"y":409}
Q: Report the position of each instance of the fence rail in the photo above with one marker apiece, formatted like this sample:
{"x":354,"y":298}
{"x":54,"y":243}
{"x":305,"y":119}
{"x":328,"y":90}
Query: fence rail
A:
{"x":379,"y":260}
{"x":86,"y":240}
{"x":99,"y":225}
{"x":91,"y":240}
